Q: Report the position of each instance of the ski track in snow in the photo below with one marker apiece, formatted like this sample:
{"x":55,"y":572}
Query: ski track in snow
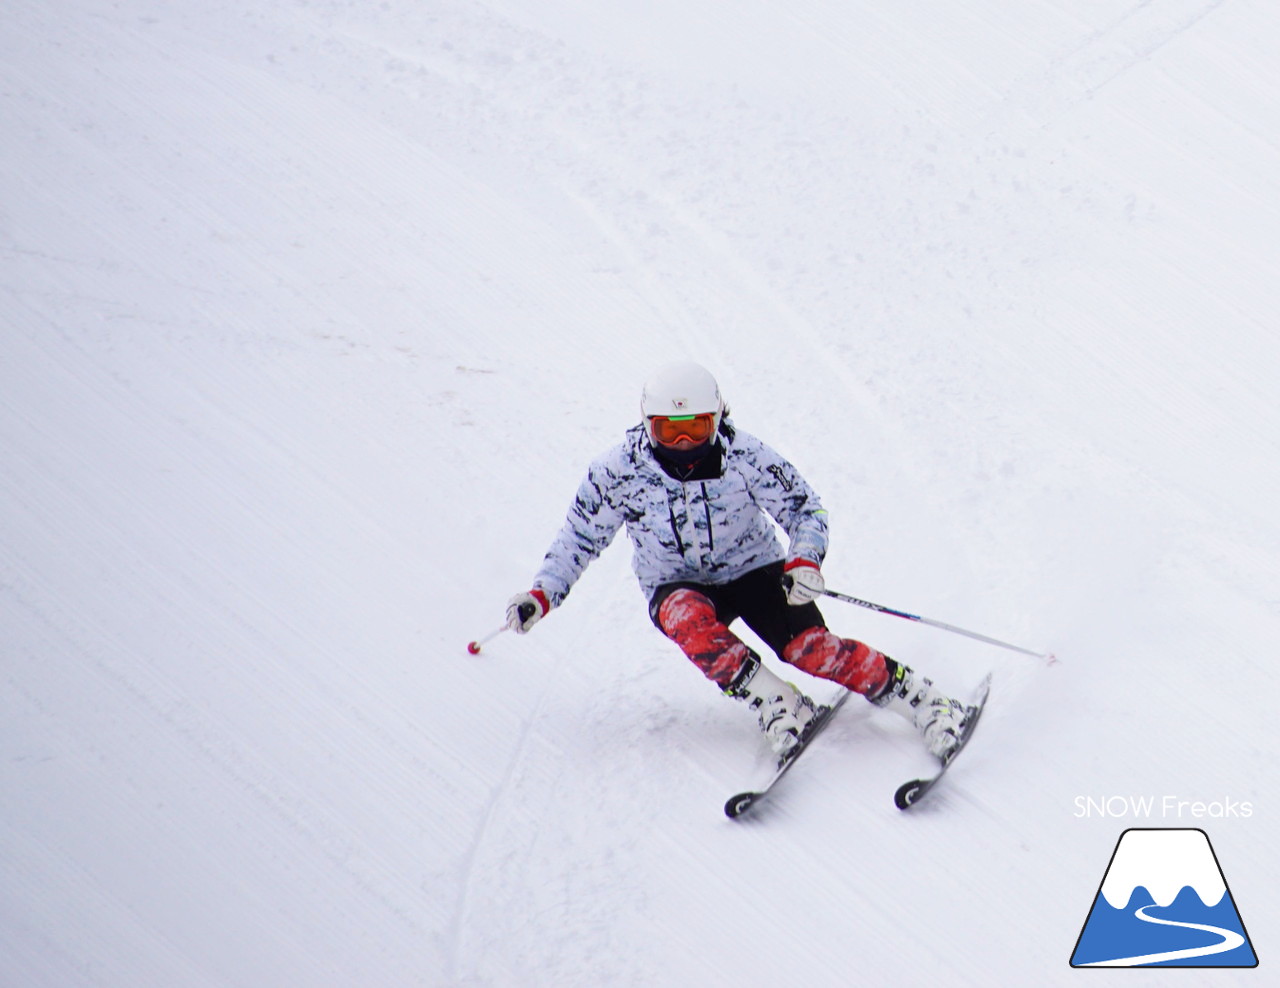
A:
{"x":315,"y":312}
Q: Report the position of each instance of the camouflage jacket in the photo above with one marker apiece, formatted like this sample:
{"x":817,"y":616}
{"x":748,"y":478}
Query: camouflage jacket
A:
{"x":705,"y":531}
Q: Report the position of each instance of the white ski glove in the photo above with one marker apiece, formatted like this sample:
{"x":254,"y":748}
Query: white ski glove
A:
{"x":803,"y":581}
{"x":524,"y":610}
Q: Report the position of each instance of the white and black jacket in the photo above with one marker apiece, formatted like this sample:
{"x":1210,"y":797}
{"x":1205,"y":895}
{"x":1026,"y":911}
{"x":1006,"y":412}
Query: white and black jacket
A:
{"x":707,"y":531}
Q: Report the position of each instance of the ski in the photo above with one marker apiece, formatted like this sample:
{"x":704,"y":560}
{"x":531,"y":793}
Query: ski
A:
{"x":743,"y":801}
{"x":910,"y":793}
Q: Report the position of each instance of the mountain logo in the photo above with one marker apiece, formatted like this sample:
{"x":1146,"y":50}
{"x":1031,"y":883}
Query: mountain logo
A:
{"x":1164,"y":902}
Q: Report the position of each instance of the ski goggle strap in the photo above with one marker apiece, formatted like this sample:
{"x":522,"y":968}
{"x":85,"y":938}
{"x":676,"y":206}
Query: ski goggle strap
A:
{"x":670,"y":429}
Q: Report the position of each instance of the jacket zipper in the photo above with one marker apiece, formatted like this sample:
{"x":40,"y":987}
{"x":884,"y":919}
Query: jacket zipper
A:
{"x":706,"y":505}
{"x":675,"y":529}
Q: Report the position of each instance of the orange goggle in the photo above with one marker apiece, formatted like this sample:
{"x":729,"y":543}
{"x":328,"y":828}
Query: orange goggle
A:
{"x":670,"y":430}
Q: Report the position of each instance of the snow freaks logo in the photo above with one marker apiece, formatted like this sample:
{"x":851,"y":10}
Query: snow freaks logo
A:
{"x":1165,"y":806}
{"x":1163,"y":902}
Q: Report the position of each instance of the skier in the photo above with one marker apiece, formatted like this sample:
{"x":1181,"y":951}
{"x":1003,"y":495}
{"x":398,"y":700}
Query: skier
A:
{"x":693,"y":492}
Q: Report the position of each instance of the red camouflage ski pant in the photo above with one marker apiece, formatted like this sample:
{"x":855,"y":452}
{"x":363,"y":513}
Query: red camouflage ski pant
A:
{"x":689,"y":619}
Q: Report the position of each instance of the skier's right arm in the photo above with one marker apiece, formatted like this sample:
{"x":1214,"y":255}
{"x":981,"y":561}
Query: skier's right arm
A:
{"x":589,"y":527}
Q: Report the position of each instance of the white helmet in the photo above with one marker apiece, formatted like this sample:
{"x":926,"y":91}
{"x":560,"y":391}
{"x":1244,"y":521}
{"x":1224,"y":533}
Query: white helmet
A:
{"x":683,"y":397}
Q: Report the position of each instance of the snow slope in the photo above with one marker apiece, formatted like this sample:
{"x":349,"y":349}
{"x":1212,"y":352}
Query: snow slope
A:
{"x":313,"y":314}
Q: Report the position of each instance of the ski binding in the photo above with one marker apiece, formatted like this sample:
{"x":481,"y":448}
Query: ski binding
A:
{"x":910,"y":793}
{"x":743,"y":801}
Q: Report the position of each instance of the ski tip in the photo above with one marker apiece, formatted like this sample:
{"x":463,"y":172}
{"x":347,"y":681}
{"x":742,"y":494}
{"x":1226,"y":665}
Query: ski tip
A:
{"x":907,"y":793}
{"x":739,"y":804}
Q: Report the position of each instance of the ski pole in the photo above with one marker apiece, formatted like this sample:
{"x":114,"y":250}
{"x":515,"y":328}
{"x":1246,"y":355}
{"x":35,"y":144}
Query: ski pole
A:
{"x":1047,"y":657}
{"x":474,"y":647}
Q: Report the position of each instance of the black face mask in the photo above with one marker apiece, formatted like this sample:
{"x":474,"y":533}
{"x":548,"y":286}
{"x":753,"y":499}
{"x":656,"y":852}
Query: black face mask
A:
{"x":701,"y":462}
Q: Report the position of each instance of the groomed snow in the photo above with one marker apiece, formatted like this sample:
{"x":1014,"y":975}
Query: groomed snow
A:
{"x":312,"y":314}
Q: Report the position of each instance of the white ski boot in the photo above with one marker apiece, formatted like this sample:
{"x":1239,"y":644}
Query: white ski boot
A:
{"x":785,"y":713}
{"x":938,"y":717}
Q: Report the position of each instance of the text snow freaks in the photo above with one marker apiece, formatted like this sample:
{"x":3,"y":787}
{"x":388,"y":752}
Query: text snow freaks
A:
{"x":1166,"y":807}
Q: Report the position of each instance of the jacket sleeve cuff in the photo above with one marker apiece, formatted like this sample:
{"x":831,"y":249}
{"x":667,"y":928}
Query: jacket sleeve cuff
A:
{"x":537,"y":594}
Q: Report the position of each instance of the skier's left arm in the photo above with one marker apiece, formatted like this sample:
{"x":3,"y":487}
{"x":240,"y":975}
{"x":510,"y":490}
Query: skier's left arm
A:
{"x":786,"y":495}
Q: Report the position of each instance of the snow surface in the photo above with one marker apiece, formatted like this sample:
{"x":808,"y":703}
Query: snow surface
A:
{"x":313,"y":314}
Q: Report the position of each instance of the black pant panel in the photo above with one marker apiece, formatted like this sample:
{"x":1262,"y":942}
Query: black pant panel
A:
{"x":758,"y":598}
